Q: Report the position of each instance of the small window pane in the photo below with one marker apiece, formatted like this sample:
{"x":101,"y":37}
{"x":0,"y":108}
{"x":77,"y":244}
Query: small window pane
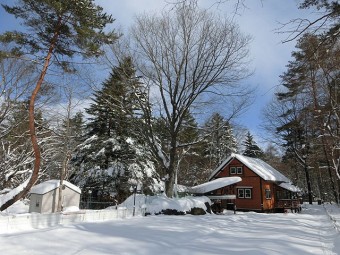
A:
{"x":268,"y":194}
{"x":241,"y":193}
{"x":232,"y":170}
{"x":247,"y":193}
{"x":239,"y":170}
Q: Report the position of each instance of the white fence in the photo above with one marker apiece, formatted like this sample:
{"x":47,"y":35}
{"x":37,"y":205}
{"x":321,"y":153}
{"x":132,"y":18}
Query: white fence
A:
{"x":22,"y":222}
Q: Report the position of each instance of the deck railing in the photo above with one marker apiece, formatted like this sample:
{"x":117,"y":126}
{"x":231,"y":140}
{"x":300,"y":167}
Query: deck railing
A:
{"x":288,"y":204}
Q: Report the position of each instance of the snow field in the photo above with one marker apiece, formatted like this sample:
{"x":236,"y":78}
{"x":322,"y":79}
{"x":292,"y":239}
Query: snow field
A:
{"x":311,"y":232}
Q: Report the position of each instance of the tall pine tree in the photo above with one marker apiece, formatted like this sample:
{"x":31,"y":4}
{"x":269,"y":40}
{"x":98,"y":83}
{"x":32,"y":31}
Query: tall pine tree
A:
{"x":112,"y":157}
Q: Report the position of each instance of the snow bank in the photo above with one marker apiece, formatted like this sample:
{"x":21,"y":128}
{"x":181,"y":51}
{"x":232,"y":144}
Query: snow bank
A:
{"x":157,"y":204}
{"x":161,"y":203}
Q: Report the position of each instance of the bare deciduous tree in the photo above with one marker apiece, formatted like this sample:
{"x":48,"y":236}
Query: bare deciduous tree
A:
{"x":186,"y":55}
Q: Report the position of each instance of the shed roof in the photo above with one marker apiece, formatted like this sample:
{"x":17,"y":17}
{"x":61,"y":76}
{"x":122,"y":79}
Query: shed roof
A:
{"x":258,"y":166}
{"x":215,"y":184}
{"x":47,"y":186}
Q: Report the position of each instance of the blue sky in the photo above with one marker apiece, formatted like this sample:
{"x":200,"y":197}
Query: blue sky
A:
{"x":260,"y":19}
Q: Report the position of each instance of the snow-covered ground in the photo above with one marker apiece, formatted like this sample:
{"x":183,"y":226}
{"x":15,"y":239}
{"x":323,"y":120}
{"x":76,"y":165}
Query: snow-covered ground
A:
{"x":313,"y":231}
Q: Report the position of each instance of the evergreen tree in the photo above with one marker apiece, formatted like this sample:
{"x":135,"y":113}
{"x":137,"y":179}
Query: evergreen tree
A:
{"x":220,"y":141}
{"x":113,"y":157}
{"x":56,"y":30}
{"x":116,"y":104}
{"x":251,"y":147}
{"x":309,"y":125}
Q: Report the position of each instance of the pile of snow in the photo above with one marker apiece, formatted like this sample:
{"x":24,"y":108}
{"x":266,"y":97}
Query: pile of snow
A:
{"x":157,"y":204}
{"x":71,"y":209}
{"x":185,"y":204}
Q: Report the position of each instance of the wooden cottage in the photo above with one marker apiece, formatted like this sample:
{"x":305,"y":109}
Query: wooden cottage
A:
{"x":262,"y":188}
{"x":44,"y":196}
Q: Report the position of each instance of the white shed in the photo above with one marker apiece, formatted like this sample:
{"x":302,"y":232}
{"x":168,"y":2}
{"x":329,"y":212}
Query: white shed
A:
{"x":44,"y":196}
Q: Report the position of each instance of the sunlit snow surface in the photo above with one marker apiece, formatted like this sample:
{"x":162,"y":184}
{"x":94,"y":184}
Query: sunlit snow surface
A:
{"x":311,"y":232}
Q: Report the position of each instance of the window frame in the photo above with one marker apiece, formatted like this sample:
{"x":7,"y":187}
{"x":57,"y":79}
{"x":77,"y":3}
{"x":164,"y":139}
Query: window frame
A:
{"x":249,"y":195}
{"x":239,"y":168}
{"x":245,"y":193}
{"x":233,"y":170}
{"x":268,"y":194}
{"x":238,"y":193}
{"x":236,"y":170}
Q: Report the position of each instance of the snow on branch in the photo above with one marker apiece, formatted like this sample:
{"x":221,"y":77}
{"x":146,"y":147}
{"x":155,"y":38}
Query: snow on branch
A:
{"x":8,"y":196}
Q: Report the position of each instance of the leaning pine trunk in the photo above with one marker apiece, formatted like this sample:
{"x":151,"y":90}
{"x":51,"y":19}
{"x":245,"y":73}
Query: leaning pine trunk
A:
{"x":35,"y":145}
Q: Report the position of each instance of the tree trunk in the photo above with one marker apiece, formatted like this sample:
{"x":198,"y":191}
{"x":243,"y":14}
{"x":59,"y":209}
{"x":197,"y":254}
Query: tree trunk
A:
{"x":169,"y":184}
{"x":329,"y":168}
{"x":35,"y":145}
{"x":63,"y":172}
{"x":309,"y":186}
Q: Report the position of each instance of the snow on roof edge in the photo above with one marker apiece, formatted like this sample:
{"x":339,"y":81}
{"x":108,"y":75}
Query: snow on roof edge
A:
{"x":290,"y":187}
{"x":221,"y":166}
{"x":214,"y":184}
{"x":47,"y":186}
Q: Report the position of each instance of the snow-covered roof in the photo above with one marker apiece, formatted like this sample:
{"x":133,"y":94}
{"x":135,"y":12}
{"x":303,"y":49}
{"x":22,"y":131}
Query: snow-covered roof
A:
{"x":181,"y":188}
{"x":215,"y":184}
{"x":47,"y":186}
{"x":290,"y":187}
{"x":258,"y":166}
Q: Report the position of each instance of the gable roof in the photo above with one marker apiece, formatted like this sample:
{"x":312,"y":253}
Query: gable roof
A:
{"x":258,"y":166}
{"x":214,"y":184}
{"x":47,"y":186}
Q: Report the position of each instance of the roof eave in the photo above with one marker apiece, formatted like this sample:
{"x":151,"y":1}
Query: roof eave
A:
{"x":221,"y":166}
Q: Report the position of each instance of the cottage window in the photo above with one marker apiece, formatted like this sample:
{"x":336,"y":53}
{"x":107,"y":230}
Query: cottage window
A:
{"x":37,"y":203}
{"x":236,"y":170}
{"x":244,"y":193}
{"x":240,"y":193}
{"x":239,"y":170}
{"x":268,"y":194}
{"x":247,"y":193}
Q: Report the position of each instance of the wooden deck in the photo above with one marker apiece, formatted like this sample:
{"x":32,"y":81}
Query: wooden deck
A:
{"x":293,"y":204}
